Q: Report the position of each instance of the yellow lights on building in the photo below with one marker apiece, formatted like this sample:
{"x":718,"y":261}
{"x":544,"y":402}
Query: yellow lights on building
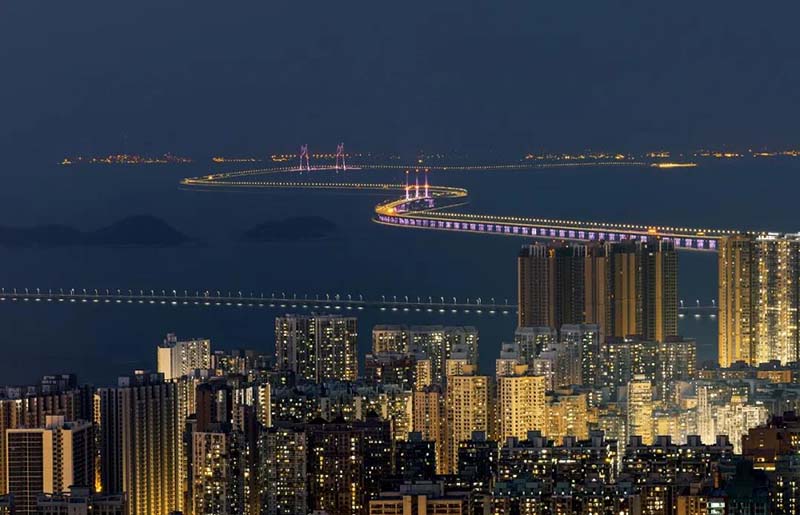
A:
{"x":467,"y":410}
{"x":758,"y":302}
{"x":521,"y":404}
{"x":640,"y":409}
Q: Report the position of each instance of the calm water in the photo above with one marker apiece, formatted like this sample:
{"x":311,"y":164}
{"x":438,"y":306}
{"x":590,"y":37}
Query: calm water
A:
{"x":99,"y":342}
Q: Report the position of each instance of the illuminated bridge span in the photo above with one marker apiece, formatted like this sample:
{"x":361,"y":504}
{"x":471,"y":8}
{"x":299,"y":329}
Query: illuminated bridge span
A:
{"x":424,"y":206}
{"x":328,"y":301}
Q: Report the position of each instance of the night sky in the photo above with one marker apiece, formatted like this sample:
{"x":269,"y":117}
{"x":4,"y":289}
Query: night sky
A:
{"x":203,"y":77}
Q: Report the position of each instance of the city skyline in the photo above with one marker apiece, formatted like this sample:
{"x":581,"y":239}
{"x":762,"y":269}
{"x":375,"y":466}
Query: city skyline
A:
{"x":443,"y":258}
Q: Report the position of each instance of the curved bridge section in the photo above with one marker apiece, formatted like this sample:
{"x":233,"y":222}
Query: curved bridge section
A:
{"x":433,"y":208}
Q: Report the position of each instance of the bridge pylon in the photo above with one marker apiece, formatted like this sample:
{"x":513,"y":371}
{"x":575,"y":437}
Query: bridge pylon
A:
{"x":304,"y":153}
{"x":340,"y":157}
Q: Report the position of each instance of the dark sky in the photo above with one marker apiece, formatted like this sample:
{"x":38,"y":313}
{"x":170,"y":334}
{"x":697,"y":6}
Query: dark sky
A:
{"x":205,"y":77}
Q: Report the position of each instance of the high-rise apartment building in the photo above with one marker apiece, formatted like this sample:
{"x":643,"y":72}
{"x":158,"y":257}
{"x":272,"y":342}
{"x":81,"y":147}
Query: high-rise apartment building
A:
{"x":438,"y":343}
{"x":391,"y":368}
{"x":389,"y":338}
{"x":216,"y":467}
{"x":567,"y":415}
{"x":140,"y":436}
{"x":550,"y":285}
{"x":466,"y":410}
{"x":641,"y":286}
{"x":284,"y":454}
{"x":738,"y":299}
{"x":627,"y":287}
{"x":179,"y":358}
{"x":521,"y":405}
{"x":429,"y":419}
{"x":346,"y":461}
{"x":48,"y":460}
{"x":31,"y":407}
{"x":509,"y":359}
{"x":317,"y":347}
{"x":532,"y":340}
{"x":759,"y":297}
{"x":434,"y":343}
{"x":587,"y":338}
{"x":415,"y":458}
{"x":640,"y":408}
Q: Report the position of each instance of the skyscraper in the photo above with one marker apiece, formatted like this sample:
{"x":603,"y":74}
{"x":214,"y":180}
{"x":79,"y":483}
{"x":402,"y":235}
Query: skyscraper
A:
{"x":658,"y":290}
{"x":642,"y":289}
{"x":521,"y":405}
{"x":738,"y":298}
{"x":141,"y":444}
{"x":587,"y":338}
{"x":217,"y":449}
{"x":627,"y":287}
{"x":317,"y":347}
{"x":438,"y":343}
{"x":179,"y":358}
{"x":283,"y":471}
{"x":466,"y":410}
{"x":759,"y":296}
{"x":216,"y":485}
{"x":550,"y":284}
{"x":30,"y":409}
{"x":346,"y":461}
{"x":48,"y":460}
{"x":429,"y":419}
{"x":533,"y":280}
{"x":640,"y":408}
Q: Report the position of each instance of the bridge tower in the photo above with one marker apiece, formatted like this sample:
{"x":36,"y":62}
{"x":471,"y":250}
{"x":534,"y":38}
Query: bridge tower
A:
{"x":408,"y":188}
{"x":416,"y":183}
{"x":426,"y":184}
{"x":340,"y":156}
{"x":304,"y":153}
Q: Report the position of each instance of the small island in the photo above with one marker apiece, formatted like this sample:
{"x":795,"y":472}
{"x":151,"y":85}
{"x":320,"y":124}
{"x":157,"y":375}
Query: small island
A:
{"x":299,"y":228}
{"x":138,"y":231}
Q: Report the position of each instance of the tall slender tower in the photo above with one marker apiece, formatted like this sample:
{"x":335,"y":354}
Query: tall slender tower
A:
{"x":640,"y":408}
{"x":533,"y":286}
{"x":141,"y":443}
{"x":428,"y":420}
{"x":759,"y":299}
{"x":737,"y":300}
{"x":556,"y":284}
{"x":467,"y":410}
{"x":657,"y":288}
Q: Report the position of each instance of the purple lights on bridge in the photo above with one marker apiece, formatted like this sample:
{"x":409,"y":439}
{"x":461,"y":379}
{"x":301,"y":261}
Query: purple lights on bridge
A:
{"x":688,"y":243}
